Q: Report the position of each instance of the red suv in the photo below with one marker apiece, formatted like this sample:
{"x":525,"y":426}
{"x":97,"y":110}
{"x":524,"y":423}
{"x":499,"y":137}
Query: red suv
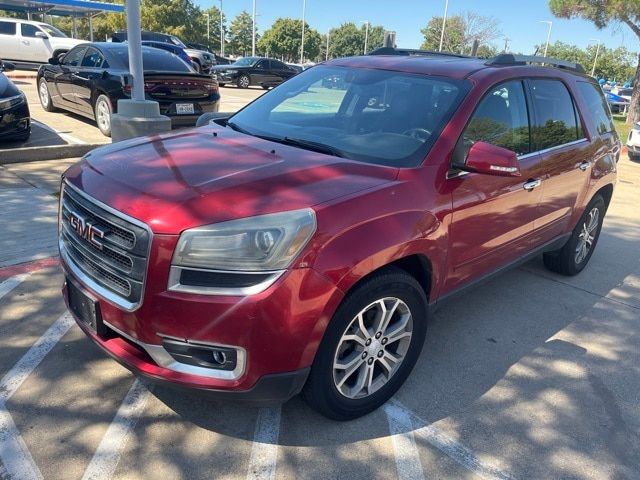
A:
{"x":300,"y":244}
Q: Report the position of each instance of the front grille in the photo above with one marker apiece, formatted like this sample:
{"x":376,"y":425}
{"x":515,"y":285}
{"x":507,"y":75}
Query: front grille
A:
{"x":115,"y":264}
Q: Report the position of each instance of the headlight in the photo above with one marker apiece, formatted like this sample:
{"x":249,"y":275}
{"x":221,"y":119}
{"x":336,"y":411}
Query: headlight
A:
{"x":230,"y":71}
{"x":11,"y":102}
{"x":256,"y":244}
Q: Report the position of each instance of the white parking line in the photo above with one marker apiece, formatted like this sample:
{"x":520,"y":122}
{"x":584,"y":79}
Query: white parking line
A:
{"x":264,"y":452}
{"x":404,"y":444}
{"x":17,"y":461}
{"x":457,"y":452}
{"x":13,"y":282}
{"x":106,"y":458}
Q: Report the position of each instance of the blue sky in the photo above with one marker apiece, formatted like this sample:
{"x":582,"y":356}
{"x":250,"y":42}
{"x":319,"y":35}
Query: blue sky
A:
{"x":519,"y":19}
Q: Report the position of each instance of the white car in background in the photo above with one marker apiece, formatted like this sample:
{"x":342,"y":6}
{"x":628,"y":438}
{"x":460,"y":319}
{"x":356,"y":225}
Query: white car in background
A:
{"x":29,"y":42}
{"x":633,"y":143}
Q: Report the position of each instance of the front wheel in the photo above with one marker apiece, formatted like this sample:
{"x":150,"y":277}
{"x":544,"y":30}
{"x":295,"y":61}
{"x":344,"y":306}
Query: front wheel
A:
{"x":574,"y":256}
{"x":45,"y":96}
{"x":244,"y":81}
{"x":370,"y":346}
{"x":103,"y":111}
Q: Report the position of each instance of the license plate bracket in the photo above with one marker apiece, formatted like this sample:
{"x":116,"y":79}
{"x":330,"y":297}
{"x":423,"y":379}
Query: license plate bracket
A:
{"x":185,"y":108}
{"x":85,"y":308}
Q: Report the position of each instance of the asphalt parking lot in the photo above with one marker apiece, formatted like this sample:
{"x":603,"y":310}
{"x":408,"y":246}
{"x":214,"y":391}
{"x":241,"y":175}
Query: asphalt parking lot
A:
{"x":531,"y":375}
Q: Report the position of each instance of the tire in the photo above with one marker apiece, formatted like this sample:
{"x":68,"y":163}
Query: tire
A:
{"x":574,"y":256}
{"x":243,"y":81}
{"x":102,"y":111}
{"x":221,"y":84}
{"x":265,"y":87}
{"x":45,"y":96}
{"x":337,"y":395}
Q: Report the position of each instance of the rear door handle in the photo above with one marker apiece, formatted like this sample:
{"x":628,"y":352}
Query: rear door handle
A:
{"x":531,"y":185}
{"x":584,"y":166}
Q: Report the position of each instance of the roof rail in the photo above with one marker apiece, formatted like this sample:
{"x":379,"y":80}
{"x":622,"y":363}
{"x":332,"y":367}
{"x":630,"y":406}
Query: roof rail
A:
{"x":507,"y":59}
{"x":414,"y":53}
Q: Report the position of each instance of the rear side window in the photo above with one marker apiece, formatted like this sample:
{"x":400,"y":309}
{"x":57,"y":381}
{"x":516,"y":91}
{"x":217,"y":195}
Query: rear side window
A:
{"x":597,"y":106}
{"x":92,"y":59}
{"x":502,"y":119}
{"x":555,"y":115}
{"x":29,"y":30}
{"x":7,"y":28}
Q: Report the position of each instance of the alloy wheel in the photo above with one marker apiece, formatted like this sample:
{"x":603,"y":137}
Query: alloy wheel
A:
{"x":244,"y":81}
{"x":372,"y":348}
{"x":44,"y":94}
{"x":587,"y":235}
{"x":103,"y":115}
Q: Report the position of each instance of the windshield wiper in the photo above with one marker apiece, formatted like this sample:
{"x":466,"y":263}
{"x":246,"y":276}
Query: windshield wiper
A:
{"x":238,"y":128}
{"x":315,"y":146}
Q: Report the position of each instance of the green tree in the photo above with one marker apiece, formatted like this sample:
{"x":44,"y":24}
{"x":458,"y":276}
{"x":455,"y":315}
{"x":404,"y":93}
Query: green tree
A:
{"x":460,"y":32}
{"x":603,"y":13}
{"x":283,"y":40}
{"x":348,"y":40}
{"x":240,"y":34}
{"x":376,"y":37}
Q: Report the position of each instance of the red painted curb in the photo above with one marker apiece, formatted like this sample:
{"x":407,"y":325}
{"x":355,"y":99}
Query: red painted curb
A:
{"x":13,"y":270}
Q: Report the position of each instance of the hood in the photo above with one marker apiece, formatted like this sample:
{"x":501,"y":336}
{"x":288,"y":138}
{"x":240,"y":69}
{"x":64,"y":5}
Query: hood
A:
{"x":7,"y":87}
{"x":213,"y":174}
{"x":66,"y":42}
{"x":194,"y":52}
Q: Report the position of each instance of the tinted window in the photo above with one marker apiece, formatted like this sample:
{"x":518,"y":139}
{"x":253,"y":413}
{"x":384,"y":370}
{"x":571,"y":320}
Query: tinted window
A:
{"x":555,"y":115}
{"x":92,"y":59}
{"x":73,"y":57}
{"x":7,"y":28}
{"x":375,"y":116}
{"x":597,"y":106}
{"x":502,"y":119}
{"x":154,"y":59}
{"x":263,"y":64}
{"x":276,"y":65}
{"x":29,"y":30}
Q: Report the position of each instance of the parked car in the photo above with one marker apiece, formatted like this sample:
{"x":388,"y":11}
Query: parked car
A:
{"x":91,"y":78}
{"x":198,"y":46}
{"x":27,"y":42}
{"x":617,"y":104}
{"x":15,"y":120}
{"x":633,"y":143}
{"x":169,"y":47}
{"x":301,"y":243}
{"x":248,"y":71}
{"x":203,"y":60}
{"x":220,"y":60}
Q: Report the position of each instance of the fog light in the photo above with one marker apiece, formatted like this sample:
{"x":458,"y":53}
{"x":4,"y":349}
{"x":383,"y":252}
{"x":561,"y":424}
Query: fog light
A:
{"x":208,"y":356}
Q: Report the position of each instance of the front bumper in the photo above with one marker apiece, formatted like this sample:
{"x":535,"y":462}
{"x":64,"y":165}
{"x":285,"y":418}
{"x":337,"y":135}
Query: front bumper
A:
{"x":15,"y":122}
{"x":224,"y":77}
{"x":278,"y":330}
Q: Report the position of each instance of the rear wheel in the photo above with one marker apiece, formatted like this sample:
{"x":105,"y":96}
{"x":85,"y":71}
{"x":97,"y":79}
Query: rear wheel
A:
{"x":574,"y":256}
{"x":370,"y":346}
{"x":45,"y":96}
{"x":103,"y":110}
{"x":265,"y":87}
{"x":244,"y":81}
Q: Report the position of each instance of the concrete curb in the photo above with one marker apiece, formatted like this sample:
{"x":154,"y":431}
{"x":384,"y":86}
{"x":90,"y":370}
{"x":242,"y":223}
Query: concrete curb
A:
{"x":53,"y":152}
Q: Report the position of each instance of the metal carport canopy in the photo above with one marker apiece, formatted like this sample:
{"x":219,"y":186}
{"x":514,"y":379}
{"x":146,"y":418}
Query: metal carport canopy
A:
{"x":68,"y":8}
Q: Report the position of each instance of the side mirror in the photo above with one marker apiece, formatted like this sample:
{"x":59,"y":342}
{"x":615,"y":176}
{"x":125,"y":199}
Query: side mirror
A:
{"x":42,"y":35}
{"x":7,"y":66}
{"x":492,"y":160}
{"x":54,"y":61}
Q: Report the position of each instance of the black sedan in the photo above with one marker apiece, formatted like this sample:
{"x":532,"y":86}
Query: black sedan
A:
{"x":247,"y":71}
{"x":91,"y":78}
{"x":15,"y":121}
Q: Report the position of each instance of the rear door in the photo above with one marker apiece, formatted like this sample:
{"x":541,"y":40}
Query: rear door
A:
{"x":280,"y":71}
{"x":9,"y":41}
{"x":493,"y":217}
{"x":558,"y":137}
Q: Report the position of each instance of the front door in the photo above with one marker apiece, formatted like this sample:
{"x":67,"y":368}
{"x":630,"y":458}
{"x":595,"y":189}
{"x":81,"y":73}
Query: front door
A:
{"x":493,"y":217}
{"x":68,"y":69}
{"x":91,"y":68}
{"x":32,"y":47}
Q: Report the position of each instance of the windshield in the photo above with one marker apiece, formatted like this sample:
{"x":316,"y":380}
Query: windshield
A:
{"x":52,"y":31}
{"x":154,"y":60}
{"x":245,"y":62}
{"x":375,"y":116}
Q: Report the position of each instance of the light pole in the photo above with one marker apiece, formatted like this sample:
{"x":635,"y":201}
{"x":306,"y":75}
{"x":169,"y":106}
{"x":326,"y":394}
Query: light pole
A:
{"x":253,"y":37}
{"x":208,"y":29}
{"x":550,"y":23}
{"x":595,"y":60}
{"x":326,"y":56}
{"x":304,"y":7}
{"x":444,"y":22}
{"x":221,"y":32}
{"x":366,"y":35}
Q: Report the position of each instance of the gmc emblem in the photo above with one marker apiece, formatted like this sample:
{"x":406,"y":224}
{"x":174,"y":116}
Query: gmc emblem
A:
{"x":86,"y":231}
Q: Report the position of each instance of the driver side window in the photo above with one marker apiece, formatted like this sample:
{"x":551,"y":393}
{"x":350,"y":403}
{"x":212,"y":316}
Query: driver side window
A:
{"x":502,"y":119}
{"x":73,"y":57}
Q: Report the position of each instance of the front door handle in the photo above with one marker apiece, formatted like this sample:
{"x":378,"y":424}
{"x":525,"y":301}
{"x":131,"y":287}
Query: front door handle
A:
{"x":531,"y":185}
{"x":584,"y":166}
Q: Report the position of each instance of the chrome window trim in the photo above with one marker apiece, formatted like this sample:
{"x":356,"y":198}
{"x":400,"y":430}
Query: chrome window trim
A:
{"x":550,"y":149}
{"x":165,"y":360}
{"x":103,"y":292}
{"x":174,"y":284}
